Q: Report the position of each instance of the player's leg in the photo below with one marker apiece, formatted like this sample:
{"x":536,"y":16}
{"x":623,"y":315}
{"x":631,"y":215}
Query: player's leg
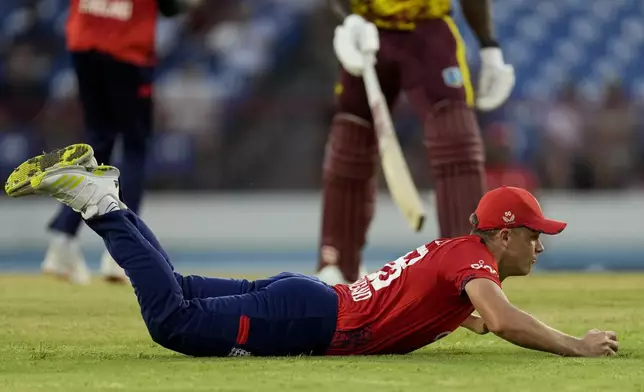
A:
{"x":439,"y":87}
{"x":194,"y":286}
{"x":350,"y":173}
{"x":174,"y":322}
{"x":292,"y":315}
{"x":297,"y":317}
{"x":288,"y":314}
{"x":73,"y":177}
{"x":64,"y":256}
{"x":130,"y":99}
{"x":166,"y":313}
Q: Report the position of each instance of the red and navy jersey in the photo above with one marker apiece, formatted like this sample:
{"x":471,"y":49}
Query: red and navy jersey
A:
{"x":412,"y":301}
{"x":124,"y":29}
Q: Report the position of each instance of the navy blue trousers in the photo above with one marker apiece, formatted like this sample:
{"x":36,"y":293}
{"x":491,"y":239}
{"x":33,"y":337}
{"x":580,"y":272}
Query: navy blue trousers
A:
{"x":116,"y":101}
{"x":288,"y":314}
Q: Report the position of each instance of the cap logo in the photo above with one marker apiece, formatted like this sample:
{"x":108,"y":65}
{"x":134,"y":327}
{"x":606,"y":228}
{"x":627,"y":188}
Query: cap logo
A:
{"x":508,"y":217}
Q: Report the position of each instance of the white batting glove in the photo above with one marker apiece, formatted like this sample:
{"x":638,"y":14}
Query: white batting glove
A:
{"x":496,"y":80}
{"x":354,"y":39}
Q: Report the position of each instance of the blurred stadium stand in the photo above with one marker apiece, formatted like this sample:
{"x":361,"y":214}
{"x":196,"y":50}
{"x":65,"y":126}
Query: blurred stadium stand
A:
{"x":575,"y":118}
{"x":210,"y":60}
{"x":242,"y":82}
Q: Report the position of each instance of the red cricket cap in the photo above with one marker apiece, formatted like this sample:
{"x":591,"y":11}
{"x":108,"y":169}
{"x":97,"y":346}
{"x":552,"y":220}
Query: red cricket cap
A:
{"x":508,"y":207}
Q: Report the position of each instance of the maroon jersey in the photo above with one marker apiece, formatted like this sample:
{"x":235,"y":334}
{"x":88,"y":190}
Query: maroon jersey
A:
{"x":412,"y":301}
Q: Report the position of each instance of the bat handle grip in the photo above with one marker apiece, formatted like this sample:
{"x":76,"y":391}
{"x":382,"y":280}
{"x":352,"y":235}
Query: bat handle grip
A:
{"x":369,"y":59}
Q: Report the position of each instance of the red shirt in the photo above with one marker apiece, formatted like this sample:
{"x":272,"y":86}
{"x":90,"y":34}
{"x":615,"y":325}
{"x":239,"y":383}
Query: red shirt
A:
{"x":412,"y":301}
{"x":124,"y":29}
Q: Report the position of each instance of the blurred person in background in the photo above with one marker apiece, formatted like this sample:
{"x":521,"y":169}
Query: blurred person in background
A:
{"x":501,"y":167}
{"x":189,"y":99}
{"x":112,"y":44}
{"x":421,"y":52}
{"x":611,"y":140}
{"x":23,"y":90}
{"x":562,"y":130}
{"x":28,"y":50}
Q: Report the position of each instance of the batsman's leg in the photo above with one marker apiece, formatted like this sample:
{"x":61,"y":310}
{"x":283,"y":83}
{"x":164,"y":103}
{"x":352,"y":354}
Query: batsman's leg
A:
{"x":460,"y":174}
{"x":350,"y":177}
{"x":348,"y":198}
{"x":443,"y":96}
{"x":456,"y":157}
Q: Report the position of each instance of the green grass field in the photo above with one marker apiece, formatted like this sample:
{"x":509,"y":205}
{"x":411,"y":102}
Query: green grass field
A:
{"x":56,"y":337}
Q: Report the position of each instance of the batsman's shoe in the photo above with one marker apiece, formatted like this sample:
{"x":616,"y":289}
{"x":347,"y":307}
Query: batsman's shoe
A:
{"x":86,"y":188}
{"x":19,"y":182}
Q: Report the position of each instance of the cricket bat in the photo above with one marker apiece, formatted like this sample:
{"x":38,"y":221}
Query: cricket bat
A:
{"x":399,"y":181}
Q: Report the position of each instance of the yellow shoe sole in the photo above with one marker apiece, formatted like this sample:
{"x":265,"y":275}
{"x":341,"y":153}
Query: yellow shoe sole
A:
{"x":26,"y":177}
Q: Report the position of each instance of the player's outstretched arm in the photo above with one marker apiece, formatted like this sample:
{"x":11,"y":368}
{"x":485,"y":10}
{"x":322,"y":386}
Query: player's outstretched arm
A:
{"x":520,"y":328}
{"x":475,"y":324}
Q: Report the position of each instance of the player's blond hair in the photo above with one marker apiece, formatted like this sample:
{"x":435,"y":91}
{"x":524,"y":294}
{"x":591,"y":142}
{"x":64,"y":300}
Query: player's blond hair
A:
{"x":486,"y":235}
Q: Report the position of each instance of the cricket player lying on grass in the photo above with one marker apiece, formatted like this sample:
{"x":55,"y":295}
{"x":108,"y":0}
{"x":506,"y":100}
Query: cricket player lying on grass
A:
{"x":410,"y":303}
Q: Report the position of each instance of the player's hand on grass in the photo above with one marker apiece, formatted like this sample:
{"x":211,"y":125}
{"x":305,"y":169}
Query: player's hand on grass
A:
{"x":481,"y":328}
{"x":475,"y":324}
{"x":496,"y":79}
{"x":598,"y":343}
{"x":354,"y":39}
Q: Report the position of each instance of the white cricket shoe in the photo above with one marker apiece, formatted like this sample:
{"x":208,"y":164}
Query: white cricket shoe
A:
{"x":65,"y":260}
{"x":72,"y":177}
